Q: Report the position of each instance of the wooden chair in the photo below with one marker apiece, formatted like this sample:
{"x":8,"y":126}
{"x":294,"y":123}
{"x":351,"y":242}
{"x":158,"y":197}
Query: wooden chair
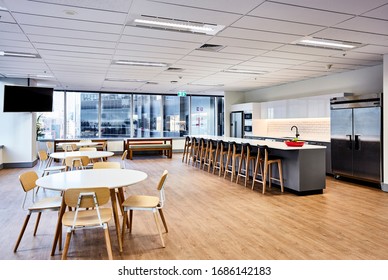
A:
{"x":69,"y":147}
{"x":123,"y":159}
{"x":49,"y":147}
{"x":200,"y":153}
{"x":247,"y":162}
{"x":77,"y":162}
{"x":232,"y":157}
{"x":87,"y":213}
{"x":263,"y":169}
{"x":147,"y":203}
{"x":90,"y":149}
{"x":106,"y":164}
{"x":43,"y":159}
{"x":27,"y":180}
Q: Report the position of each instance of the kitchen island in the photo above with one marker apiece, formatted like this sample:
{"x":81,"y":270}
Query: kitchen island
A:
{"x":304,"y":168}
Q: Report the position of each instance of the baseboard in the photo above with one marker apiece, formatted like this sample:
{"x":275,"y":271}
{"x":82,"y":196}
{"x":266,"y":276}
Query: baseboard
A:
{"x":20,"y":164}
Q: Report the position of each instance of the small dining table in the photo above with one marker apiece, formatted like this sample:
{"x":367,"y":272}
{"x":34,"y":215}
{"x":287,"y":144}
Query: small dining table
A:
{"x":91,"y":178}
{"x":90,"y":154}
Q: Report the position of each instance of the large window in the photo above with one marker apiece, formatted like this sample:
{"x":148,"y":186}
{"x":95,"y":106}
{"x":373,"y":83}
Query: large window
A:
{"x":125,"y":115}
{"x":82,"y":115}
{"x":115,"y":115}
{"x":52,"y":125}
{"x":176,"y":116}
{"x":203,"y":119}
{"x":147,"y":115}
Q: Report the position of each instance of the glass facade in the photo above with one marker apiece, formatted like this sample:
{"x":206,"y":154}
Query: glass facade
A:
{"x":124,"y":115}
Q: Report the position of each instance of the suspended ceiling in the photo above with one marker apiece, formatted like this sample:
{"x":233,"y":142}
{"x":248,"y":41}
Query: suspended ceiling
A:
{"x":77,"y":43}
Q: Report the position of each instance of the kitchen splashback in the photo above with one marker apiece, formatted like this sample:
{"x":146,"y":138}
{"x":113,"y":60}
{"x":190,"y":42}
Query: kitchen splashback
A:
{"x":317,"y":129}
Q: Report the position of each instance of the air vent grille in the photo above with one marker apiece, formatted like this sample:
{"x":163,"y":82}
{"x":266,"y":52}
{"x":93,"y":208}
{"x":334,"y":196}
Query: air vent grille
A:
{"x":210,"y":47}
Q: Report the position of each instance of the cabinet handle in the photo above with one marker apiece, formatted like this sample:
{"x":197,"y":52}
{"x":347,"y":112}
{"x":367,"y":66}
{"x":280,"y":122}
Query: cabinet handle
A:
{"x":357,"y":142}
{"x":350,"y":141}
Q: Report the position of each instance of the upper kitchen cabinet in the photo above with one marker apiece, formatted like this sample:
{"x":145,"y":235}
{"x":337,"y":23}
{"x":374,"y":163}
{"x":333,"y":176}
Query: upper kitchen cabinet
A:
{"x":307,"y":107}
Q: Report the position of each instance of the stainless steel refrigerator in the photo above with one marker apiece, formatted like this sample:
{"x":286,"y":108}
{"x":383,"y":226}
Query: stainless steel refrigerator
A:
{"x":237,"y":124}
{"x":356,"y":130}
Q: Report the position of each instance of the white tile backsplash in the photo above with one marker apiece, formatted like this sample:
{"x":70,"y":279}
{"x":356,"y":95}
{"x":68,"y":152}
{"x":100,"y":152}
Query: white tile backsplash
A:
{"x":317,"y":129}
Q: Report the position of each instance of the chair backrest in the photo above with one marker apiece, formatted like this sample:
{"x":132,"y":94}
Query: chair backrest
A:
{"x":28,"y":180}
{"x":49,"y":146}
{"x":71,"y":197}
{"x":124,"y":155}
{"x":76,"y":161}
{"x":262,"y":152}
{"x":69,"y":147}
{"x":160,"y":188}
{"x":88,"y":149}
{"x":106,"y":164}
{"x":43,"y":156}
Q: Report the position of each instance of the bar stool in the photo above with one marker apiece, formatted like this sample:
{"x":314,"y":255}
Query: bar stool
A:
{"x":234,"y":153}
{"x":247,"y":162}
{"x":220,"y":157}
{"x":200,"y":153}
{"x":263,"y":169}
{"x":193,"y":150}
{"x":208,"y":159}
{"x":186,"y":149}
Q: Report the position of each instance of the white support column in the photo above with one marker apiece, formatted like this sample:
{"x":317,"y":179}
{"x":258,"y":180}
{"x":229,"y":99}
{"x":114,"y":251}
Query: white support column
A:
{"x":384,"y":185}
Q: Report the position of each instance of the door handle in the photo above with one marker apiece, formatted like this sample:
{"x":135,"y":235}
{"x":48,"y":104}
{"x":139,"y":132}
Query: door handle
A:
{"x":357,"y":144}
{"x":350,"y":141}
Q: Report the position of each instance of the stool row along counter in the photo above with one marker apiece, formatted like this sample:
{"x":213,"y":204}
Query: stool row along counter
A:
{"x":239,"y":161}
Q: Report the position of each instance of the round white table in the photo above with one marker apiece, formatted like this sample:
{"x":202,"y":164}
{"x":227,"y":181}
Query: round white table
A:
{"x":90,"y":154}
{"x":111,"y":178}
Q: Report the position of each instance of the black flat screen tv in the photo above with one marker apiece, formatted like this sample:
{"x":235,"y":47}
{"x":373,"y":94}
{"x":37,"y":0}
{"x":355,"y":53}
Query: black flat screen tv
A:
{"x":27,"y":99}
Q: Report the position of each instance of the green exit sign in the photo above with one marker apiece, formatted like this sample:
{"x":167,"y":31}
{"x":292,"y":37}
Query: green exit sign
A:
{"x":182,"y":93}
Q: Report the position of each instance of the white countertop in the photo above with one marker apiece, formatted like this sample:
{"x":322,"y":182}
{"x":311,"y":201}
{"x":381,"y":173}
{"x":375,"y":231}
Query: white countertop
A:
{"x":269,"y":144}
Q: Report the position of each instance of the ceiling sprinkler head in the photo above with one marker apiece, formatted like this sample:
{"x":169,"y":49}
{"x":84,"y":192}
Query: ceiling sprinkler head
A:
{"x":328,"y":66}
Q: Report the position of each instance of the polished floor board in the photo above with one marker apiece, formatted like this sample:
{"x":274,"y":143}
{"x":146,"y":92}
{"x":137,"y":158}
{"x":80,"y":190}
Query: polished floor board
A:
{"x":211,"y":218}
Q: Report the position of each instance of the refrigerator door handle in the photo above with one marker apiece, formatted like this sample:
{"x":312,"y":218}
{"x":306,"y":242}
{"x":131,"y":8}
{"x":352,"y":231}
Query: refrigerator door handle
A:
{"x":357,"y":142}
{"x":350,"y":141}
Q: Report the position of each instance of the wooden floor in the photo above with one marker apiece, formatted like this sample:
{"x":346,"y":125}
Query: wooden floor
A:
{"x":210,"y":218}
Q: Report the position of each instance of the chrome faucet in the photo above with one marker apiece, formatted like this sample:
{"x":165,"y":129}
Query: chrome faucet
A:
{"x":297,"y":132}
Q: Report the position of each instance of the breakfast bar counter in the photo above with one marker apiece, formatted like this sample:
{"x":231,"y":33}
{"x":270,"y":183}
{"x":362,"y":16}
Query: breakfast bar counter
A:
{"x":304,"y":168}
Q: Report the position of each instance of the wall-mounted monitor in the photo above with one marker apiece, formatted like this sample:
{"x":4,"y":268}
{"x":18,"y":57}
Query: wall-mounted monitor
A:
{"x":27,"y":99}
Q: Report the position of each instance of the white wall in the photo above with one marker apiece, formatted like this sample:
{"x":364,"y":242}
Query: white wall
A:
{"x":231,"y":98}
{"x":363,"y":81}
{"x":17,"y":132}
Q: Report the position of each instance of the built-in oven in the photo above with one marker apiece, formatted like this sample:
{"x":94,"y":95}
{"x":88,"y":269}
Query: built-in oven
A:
{"x":248,"y":116}
{"x":248,"y":128}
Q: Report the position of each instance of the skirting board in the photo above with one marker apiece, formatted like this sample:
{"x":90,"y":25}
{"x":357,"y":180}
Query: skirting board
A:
{"x":20,"y":164}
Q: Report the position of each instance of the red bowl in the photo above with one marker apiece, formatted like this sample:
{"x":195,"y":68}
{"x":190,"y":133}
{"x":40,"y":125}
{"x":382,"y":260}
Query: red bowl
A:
{"x":294,"y":144}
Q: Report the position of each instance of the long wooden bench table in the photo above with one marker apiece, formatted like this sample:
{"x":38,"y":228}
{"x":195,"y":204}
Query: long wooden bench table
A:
{"x":164,"y":145}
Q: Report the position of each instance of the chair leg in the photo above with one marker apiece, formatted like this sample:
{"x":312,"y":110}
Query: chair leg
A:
{"x":158,"y":226}
{"x":130,"y":220}
{"x":125,"y":218}
{"x":281,"y":176}
{"x":163,"y":219}
{"x":67,"y":244}
{"x":22,"y":232}
{"x":37,"y":222}
{"x":107,"y":241}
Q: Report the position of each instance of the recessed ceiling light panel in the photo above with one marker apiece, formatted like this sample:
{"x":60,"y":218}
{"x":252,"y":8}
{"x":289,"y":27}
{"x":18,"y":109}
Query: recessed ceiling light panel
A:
{"x":176,"y":25}
{"x":19,"y":54}
{"x":327,"y":43}
{"x":242,"y":71}
{"x":141,"y":63}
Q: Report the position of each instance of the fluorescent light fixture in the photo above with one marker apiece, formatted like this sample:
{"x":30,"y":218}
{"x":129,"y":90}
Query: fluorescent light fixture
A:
{"x":39,"y":76}
{"x":141,"y":63}
{"x":327,"y":43}
{"x":206,"y":85}
{"x":241,"y":71}
{"x":126,"y":80}
{"x":17,"y":54}
{"x":177,"y":25}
